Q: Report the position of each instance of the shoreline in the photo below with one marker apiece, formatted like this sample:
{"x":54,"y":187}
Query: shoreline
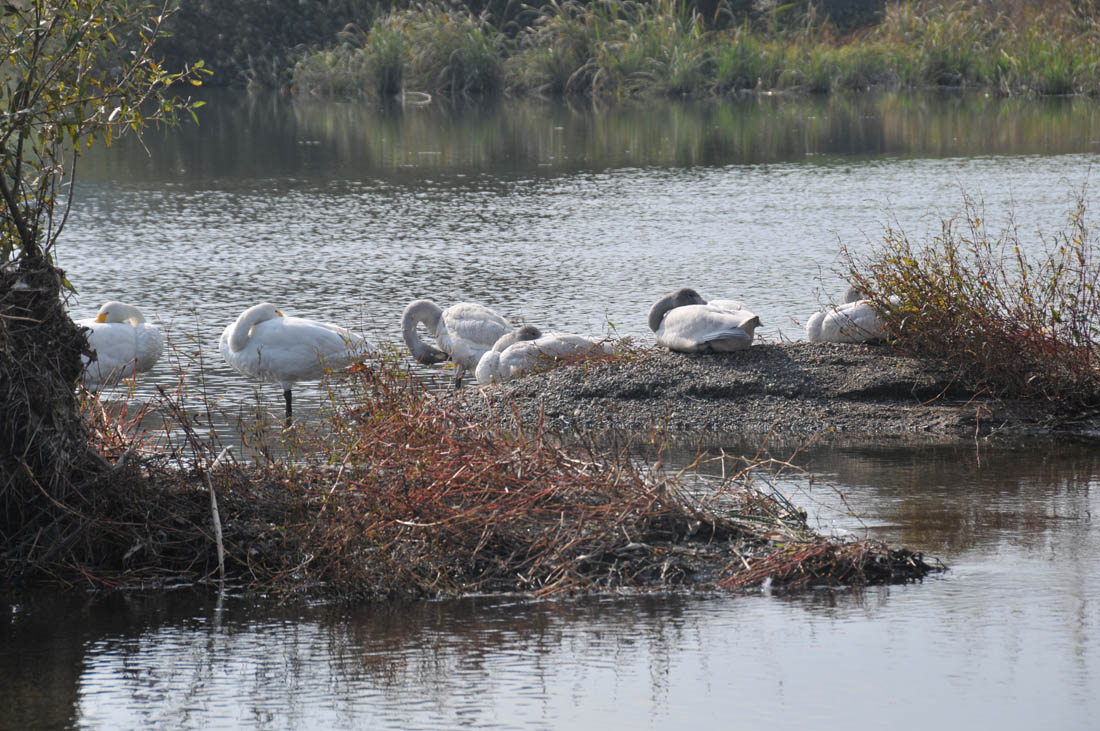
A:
{"x":797,"y":388}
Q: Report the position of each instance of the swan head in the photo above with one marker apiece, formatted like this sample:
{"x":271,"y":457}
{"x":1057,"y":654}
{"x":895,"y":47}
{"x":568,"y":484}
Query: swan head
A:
{"x":119,"y":312}
{"x":240,"y":332}
{"x":680,"y":298}
{"x":256,"y":314}
{"x":854,"y":294}
{"x":526,"y":332}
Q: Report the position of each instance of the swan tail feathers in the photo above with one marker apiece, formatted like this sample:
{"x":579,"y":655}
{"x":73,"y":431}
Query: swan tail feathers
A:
{"x":813,"y":327}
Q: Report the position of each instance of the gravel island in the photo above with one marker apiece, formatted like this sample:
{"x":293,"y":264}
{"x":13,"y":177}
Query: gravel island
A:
{"x":798,"y":387}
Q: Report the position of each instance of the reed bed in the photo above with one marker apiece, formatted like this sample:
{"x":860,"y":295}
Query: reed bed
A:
{"x":1015,"y":325}
{"x":611,"y":49}
{"x":398,"y":495}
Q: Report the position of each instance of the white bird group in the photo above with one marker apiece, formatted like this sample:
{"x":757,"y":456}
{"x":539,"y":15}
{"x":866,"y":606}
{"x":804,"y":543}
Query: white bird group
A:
{"x":477,"y":339}
{"x":265,"y":345}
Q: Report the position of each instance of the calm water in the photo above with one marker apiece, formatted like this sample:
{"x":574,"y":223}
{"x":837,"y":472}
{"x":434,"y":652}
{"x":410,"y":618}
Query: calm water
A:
{"x":579,"y":220}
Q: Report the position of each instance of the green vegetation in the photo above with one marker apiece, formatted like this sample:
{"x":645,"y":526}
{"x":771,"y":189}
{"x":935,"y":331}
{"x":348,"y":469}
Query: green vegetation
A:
{"x":1014,"y":326}
{"x":624,"y":48}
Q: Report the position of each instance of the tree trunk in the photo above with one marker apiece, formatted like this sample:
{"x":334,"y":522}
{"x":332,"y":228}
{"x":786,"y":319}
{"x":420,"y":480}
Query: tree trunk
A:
{"x":44,"y":448}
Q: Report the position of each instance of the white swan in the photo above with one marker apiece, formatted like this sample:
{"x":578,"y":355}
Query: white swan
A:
{"x":527,"y":350}
{"x":854,"y":321}
{"x":264,"y":344}
{"x":123,"y":343}
{"x":463,"y":333}
{"x":685,"y":322}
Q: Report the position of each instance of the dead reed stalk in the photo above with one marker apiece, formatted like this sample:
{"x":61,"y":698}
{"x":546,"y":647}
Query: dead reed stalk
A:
{"x":400,"y":495}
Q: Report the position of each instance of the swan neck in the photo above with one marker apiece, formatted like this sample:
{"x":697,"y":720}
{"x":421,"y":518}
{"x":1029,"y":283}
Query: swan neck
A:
{"x":657,"y":312}
{"x":242,"y":328}
{"x":423,"y":312}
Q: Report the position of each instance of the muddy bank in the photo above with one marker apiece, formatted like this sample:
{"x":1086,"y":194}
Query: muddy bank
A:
{"x":788,"y":387}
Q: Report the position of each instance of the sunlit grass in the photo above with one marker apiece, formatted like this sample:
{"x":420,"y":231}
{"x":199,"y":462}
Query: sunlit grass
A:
{"x":1015,"y":325}
{"x":625,"y":48}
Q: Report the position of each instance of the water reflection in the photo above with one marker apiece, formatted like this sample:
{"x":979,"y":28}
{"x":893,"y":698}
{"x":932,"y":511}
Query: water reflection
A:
{"x":948,"y":498}
{"x":312,"y":138}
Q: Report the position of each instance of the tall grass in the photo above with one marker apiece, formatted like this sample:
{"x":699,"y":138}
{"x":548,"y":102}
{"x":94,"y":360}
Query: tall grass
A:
{"x":613,"y":48}
{"x":632,"y":48}
{"x":1018,"y":325}
{"x":433,"y":48}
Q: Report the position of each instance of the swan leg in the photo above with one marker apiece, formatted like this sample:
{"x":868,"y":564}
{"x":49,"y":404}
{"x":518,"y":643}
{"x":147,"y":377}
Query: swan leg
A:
{"x":286,"y":396}
{"x":460,"y":371}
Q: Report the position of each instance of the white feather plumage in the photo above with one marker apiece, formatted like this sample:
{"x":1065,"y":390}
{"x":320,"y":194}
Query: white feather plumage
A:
{"x":265,"y":345}
{"x":123,"y":343}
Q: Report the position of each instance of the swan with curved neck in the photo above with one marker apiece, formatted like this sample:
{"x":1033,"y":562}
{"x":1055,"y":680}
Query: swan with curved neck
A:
{"x":853,"y":321}
{"x":268,"y":346}
{"x":527,"y":350}
{"x":463,"y":333}
{"x":520,"y":334}
{"x":122,"y":342}
{"x":685,"y":322}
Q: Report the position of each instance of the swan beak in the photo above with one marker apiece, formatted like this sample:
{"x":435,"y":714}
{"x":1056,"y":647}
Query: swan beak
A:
{"x":101,"y":317}
{"x":279,"y":313}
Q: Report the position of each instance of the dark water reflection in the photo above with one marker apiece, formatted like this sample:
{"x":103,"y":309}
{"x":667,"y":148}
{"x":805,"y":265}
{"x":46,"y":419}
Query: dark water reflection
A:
{"x":1008,"y":638}
{"x":315,"y":139}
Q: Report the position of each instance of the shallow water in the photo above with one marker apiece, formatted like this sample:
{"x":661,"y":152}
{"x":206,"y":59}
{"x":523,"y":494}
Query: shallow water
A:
{"x":578,"y":220}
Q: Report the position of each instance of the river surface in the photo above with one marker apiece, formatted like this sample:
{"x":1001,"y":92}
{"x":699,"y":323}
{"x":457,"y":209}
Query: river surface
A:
{"x":578,"y":220}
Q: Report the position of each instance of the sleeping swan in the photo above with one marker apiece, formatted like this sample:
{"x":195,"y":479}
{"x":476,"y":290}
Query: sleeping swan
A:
{"x":123,"y":343}
{"x":687,"y":323}
{"x":854,"y":321}
{"x":264,"y":344}
{"x":526,"y":350}
{"x":463,"y":333}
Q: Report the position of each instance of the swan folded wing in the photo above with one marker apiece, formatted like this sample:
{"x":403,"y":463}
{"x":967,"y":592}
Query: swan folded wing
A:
{"x":475,"y":323}
{"x":469,"y":331}
{"x":742,"y":318}
{"x":704,"y":328}
{"x":854,"y":322}
{"x":561,"y":345}
{"x":725,"y":341}
{"x":150,"y":345}
{"x":530,"y":356}
{"x":859,"y":327}
{"x":329,"y":345}
{"x":721,"y":340}
{"x":116,"y":350}
{"x":290,"y":349}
